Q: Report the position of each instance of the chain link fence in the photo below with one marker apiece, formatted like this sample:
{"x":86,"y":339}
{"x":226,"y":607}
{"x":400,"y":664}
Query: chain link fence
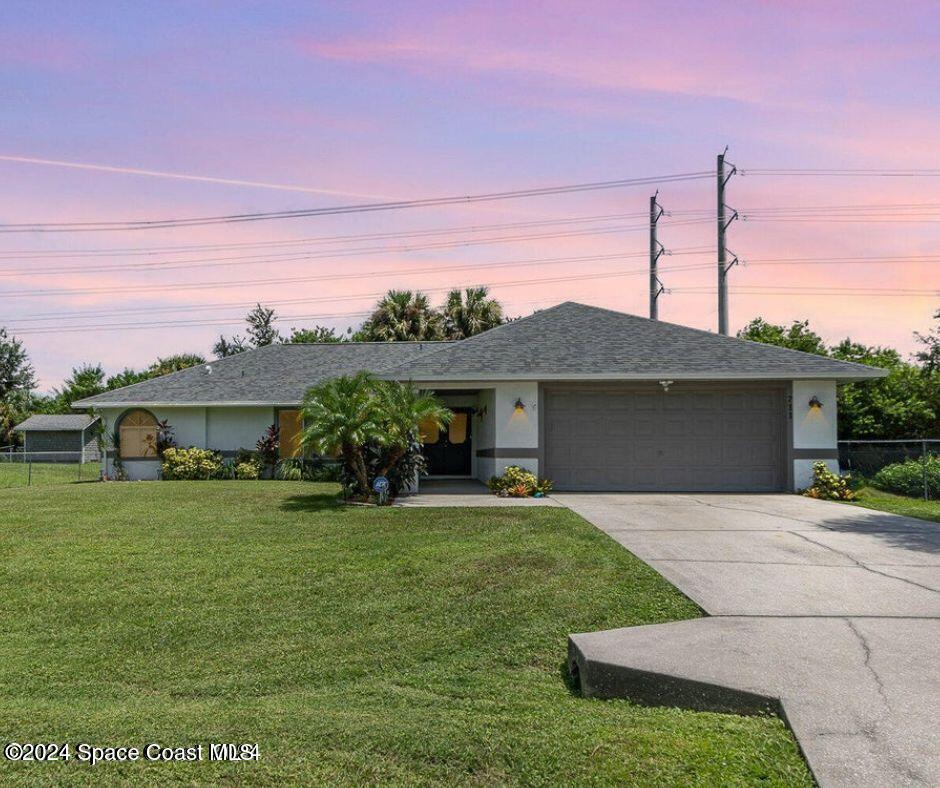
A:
{"x":27,"y":469}
{"x":905,"y":467}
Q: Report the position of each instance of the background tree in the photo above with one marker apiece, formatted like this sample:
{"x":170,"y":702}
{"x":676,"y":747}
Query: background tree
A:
{"x":796,"y":336}
{"x":225,"y":347}
{"x":313,"y":335}
{"x":470,"y":312}
{"x":260,"y":329}
{"x":85,"y":381}
{"x":402,"y":316}
{"x":930,"y":355}
{"x":175,"y":363}
{"x":905,"y":404}
{"x":126,"y":377}
{"x":17,"y":380}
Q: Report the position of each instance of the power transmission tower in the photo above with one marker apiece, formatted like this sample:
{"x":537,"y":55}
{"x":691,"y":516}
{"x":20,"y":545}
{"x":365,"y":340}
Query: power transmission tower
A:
{"x":656,"y":251}
{"x":723,"y":223}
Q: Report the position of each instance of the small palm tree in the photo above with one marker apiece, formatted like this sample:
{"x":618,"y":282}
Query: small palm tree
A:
{"x":404,"y":316}
{"x":404,"y":408}
{"x":340,"y":417}
{"x":470,"y":312}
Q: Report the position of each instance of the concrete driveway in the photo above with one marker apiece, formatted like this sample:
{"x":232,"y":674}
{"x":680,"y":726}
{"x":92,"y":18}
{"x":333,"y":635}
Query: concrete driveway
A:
{"x":826,"y":613}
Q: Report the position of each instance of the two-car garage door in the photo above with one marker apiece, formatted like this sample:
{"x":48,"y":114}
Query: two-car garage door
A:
{"x":716,"y":437}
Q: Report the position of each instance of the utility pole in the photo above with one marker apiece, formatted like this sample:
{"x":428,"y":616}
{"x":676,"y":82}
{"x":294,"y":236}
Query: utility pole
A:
{"x":656,"y":251}
{"x":723,"y":223}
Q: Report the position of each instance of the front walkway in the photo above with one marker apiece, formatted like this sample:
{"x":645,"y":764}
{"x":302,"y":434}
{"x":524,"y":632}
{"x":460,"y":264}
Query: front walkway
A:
{"x":463,"y":492}
{"x":826,"y":612}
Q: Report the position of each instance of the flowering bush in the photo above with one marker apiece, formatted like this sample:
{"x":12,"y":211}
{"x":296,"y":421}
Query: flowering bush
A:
{"x":248,"y":470}
{"x":828,"y":485}
{"x":191,"y":464}
{"x":518,"y":482}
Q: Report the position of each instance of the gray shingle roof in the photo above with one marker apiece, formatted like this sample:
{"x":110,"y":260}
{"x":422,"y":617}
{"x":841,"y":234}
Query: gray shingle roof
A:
{"x":55,"y":423}
{"x":276,"y":374}
{"x":572,"y":341}
{"x":567,"y":342}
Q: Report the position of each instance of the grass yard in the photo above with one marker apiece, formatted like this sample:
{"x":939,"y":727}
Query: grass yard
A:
{"x":409,"y":646}
{"x":18,"y":474}
{"x":872,"y":498}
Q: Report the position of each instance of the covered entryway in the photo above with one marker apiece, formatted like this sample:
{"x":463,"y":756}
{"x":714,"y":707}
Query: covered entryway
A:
{"x":701,"y":437}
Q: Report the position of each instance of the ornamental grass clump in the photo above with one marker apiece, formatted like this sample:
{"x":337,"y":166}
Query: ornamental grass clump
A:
{"x":829,"y":486}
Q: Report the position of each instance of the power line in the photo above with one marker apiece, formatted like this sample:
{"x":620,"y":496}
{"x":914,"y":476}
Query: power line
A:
{"x":429,"y":202}
{"x":884,"y":173}
{"x":85,"y":315}
{"x":170,"y":250}
{"x":226,"y":261}
{"x":359,"y":296}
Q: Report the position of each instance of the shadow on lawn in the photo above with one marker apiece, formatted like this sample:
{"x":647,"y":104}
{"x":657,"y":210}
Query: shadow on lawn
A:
{"x":317,"y":502}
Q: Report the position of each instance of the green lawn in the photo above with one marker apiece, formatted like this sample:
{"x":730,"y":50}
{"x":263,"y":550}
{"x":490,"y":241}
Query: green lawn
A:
{"x":19,"y":474}
{"x":410,"y":646}
{"x":872,"y":498}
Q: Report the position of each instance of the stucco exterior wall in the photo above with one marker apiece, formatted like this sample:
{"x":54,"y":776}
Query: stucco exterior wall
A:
{"x":815,"y":430}
{"x":485,"y":434}
{"x":516,"y":430}
{"x":228,"y":429}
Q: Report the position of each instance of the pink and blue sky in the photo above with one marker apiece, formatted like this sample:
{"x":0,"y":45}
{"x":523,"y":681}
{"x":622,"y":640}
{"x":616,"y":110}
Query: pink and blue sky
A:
{"x":353,"y":101}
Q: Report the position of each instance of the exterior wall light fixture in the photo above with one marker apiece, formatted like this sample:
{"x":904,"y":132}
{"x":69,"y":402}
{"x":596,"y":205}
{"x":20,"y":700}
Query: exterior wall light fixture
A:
{"x":520,"y":405}
{"x":814,"y":403}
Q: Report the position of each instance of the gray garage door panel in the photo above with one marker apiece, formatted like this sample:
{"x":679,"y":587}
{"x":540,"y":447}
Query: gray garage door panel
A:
{"x":715,"y":438}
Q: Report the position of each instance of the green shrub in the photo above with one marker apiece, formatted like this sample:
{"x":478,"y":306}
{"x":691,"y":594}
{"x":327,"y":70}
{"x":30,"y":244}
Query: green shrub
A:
{"x":248,"y":470}
{"x":518,"y":482}
{"x":191,"y":464}
{"x":829,"y":486}
{"x":907,"y":478}
{"x":295,"y":469}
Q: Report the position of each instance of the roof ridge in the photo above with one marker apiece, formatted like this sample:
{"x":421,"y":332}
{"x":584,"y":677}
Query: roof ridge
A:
{"x":488,"y":333}
{"x":735,"y":338}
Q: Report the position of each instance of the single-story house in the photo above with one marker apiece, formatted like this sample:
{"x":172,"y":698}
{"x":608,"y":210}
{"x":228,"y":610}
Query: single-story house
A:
{"x":591,"y":398}
{"x":60,"y":438}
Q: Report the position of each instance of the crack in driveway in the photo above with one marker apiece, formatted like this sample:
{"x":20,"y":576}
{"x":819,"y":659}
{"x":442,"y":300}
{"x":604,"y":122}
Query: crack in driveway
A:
{"x":824,"y":638}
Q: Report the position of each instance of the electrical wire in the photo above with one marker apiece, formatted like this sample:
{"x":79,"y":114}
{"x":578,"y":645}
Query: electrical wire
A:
{"x":226,"y":261}
{"x":430,"y":202}
{"x":823,"y":172}
{"x":358,"y":296}
{"x":171,"y":250}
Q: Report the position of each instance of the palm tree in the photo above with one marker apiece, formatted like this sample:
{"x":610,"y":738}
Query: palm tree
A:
{"x":404,"y":408}
{"x":403,"y":316}
{"x":470,"y":313}
{"x":340,"y":417}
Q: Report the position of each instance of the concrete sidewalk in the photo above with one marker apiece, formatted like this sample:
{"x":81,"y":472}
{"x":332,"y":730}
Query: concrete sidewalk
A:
{"x":827,"y":613}
{"x":463,"y":492}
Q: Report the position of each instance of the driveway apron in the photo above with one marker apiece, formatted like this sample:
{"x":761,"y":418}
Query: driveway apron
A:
{"x":826,"y":613}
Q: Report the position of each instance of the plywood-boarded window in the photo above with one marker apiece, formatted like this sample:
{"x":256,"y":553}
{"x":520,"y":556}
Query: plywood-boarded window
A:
{"x":457,"y":431}
{"x":289,"y":424}
{"x":429,"y":431}
{"x":138,"y":434}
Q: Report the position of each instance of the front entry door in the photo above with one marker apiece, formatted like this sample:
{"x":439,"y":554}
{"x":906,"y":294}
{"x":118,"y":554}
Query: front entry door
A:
{"x":448,"y":450}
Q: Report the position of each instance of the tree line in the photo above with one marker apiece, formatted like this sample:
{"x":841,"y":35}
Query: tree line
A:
{"x":905,"y":404}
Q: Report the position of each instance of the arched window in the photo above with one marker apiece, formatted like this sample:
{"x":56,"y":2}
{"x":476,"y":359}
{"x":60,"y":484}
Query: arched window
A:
{"x":138,"y":433}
